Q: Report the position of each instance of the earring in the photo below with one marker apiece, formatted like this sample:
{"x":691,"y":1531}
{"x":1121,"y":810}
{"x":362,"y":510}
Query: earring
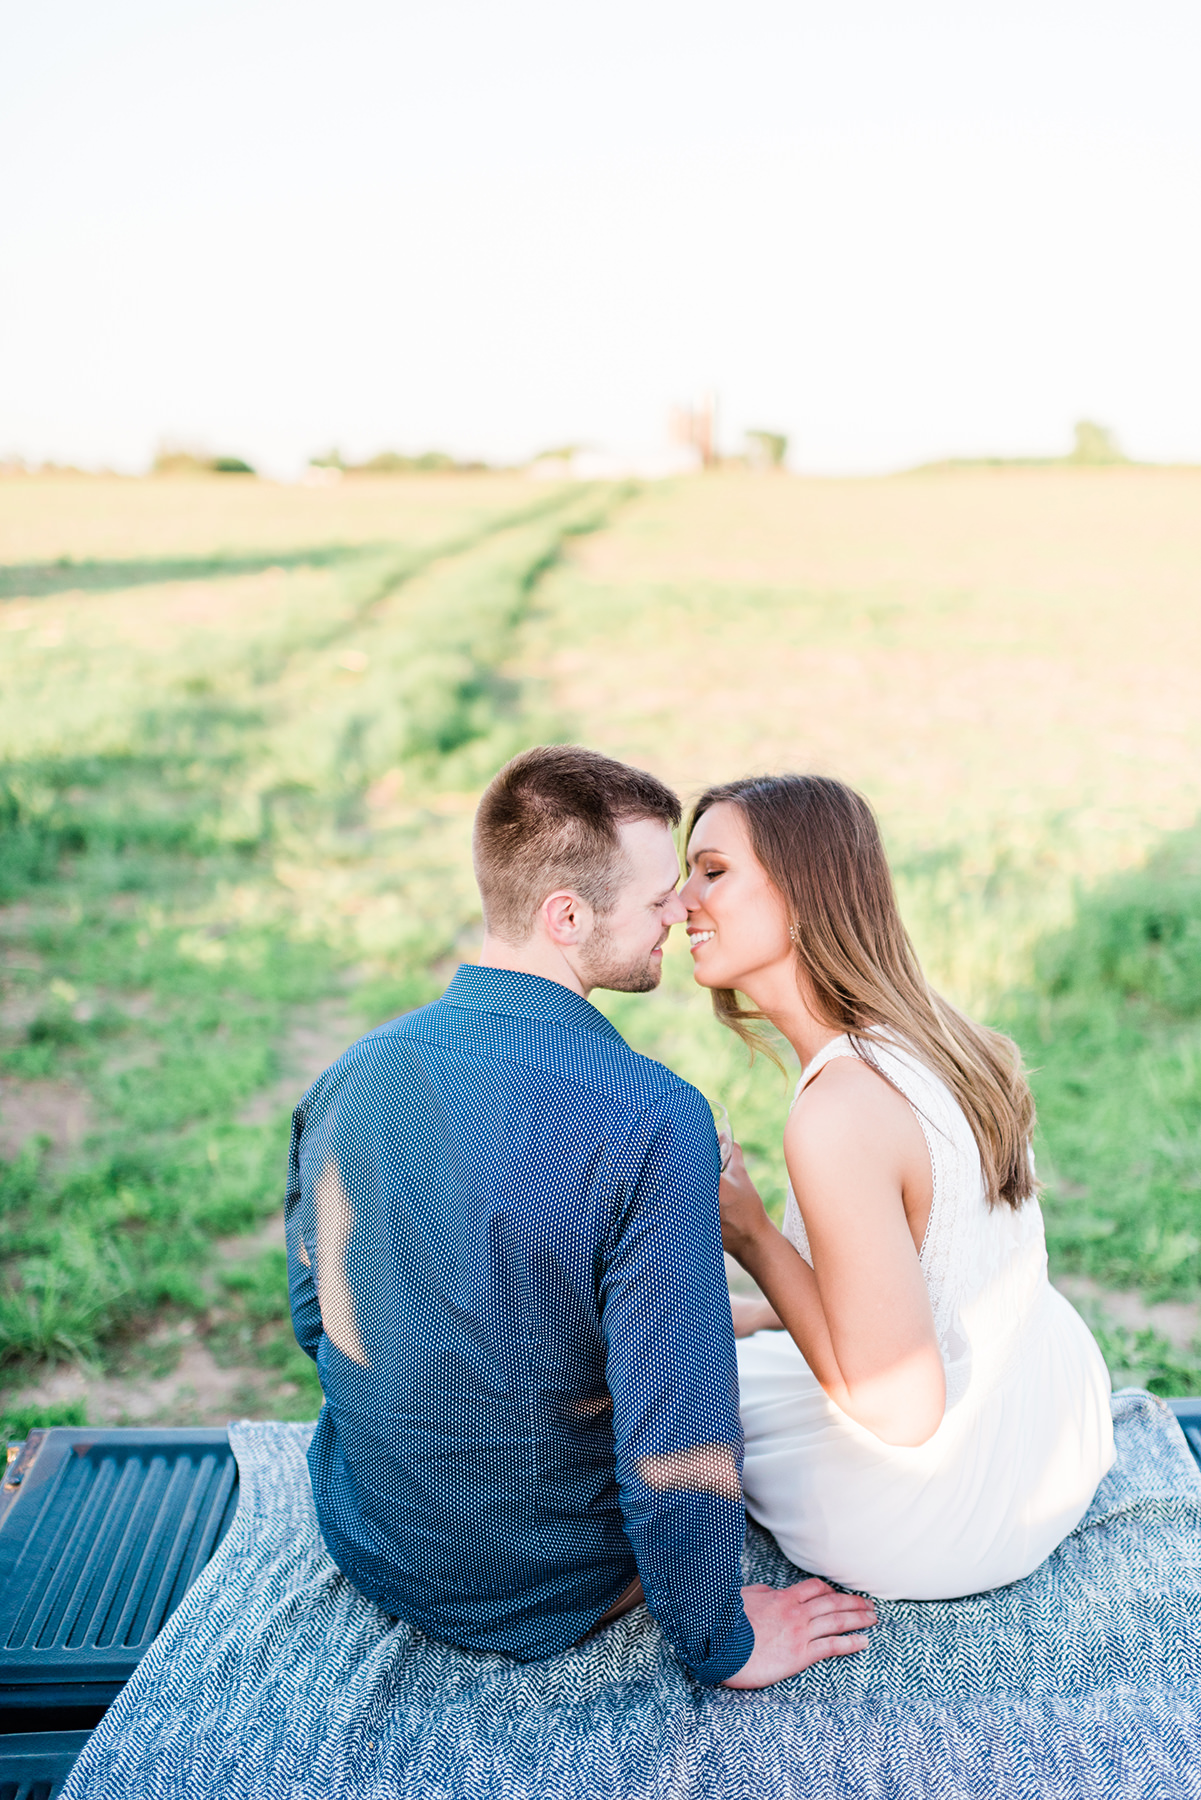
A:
{"x":794,"y":933}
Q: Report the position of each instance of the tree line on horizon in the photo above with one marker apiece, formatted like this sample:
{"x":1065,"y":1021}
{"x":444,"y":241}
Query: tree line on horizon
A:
{"x":1094,"y":446}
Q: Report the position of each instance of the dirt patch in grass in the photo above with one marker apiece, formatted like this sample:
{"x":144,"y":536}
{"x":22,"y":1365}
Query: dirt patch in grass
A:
{"x":200,"y":1390}
{"x":197,"y":1391}
{"x":51,"y":1109}
{"x":1178,"y":1322}
{"x":316,"y":1037}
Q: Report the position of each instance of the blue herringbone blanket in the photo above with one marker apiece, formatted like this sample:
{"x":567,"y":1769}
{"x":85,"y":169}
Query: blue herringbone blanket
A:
{"x":275,"y":1679}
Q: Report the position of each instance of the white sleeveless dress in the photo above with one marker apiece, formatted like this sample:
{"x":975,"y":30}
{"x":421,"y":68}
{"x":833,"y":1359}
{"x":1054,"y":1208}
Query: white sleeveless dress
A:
{"x":1027,"y":1433}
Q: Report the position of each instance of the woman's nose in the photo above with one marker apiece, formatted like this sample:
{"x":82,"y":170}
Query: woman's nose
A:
{"x":675,"y":912}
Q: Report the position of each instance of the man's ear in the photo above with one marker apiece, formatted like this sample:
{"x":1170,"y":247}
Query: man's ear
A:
{"x":567,"y":919}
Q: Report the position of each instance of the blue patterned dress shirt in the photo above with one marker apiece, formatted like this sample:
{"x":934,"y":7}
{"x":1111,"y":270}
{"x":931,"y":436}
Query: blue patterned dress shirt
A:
{"x":504,"y":1254}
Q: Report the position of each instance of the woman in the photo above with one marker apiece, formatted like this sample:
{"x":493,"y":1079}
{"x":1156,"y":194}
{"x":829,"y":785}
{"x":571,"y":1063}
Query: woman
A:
{"x":937,"y":1417}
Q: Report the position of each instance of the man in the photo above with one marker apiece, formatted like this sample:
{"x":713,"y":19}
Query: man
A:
{"x":505,"y":1255}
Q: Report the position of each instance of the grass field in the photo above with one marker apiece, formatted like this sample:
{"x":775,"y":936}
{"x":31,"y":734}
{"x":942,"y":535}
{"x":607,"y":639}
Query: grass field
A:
{"x":242,"y":728}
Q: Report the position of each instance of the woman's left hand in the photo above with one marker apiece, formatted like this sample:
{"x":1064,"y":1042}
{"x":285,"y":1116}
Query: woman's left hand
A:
{"x":743,"y":1217}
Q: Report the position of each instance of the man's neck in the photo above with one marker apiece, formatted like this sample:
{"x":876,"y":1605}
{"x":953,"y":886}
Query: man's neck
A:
{"x":535,"y":957}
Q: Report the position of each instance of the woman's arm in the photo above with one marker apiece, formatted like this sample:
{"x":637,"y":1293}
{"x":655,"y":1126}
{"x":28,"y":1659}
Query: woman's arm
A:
{"x":861,"y":1316}
{"x":782,"y":1273}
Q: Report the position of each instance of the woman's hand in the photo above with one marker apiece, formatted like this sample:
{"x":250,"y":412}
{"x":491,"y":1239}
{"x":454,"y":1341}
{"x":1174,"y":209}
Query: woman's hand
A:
{"x":751,"y":1315}
{"x":743,"y":1219}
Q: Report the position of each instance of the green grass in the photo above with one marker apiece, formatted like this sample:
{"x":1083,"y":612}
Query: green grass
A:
{"x":236,"y":787}
{"x":1113,"y":1030}
{"x":16,"y":1422}
{"x":188,"y":865}
{"x":251,"y":1324}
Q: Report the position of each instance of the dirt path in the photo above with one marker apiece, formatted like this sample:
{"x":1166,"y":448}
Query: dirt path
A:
{"x":198,"y":1390}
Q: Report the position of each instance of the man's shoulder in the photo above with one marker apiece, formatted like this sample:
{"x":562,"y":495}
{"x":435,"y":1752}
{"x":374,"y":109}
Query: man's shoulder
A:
{"x":561,"y":1050}
{"x":508,"y":1047}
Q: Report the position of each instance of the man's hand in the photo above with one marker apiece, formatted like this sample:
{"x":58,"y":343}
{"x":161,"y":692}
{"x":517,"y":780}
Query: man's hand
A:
{"x":799,"y":1625}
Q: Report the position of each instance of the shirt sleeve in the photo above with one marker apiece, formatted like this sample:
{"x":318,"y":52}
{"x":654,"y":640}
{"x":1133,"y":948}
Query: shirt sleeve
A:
{"x":299,"y":1211}
{"x":673,"y":1375}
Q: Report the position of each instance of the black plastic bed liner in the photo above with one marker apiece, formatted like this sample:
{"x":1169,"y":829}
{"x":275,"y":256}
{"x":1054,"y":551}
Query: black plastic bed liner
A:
{"x":101,"y":1535}
{"x":35,"y":1764}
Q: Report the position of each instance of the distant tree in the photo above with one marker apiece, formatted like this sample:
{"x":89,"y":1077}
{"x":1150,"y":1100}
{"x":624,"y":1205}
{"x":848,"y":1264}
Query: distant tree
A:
{"x":766,"y":449}
{"x":388,"y":462}
{"x":179,"y":459}
{"x":430,"y":462}
{"x":1096,"y":444}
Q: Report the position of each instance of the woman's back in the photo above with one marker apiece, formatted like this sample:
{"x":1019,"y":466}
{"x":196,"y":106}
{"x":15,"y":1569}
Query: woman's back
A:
{"x":1026,"y":1435}
{"x":985,"y":1266}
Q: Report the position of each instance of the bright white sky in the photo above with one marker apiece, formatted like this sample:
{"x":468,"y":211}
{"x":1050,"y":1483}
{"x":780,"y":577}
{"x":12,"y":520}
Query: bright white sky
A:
{"x":895,"y":229}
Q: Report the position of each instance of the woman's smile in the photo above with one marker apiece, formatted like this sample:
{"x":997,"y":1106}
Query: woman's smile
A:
{"x":737,"y":922}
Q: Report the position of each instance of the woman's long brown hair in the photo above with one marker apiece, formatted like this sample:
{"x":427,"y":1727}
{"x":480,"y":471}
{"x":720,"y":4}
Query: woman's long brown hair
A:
{"x":819,"y":845}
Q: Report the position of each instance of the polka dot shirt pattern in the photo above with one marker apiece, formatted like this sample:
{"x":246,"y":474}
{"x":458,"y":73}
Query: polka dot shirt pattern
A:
{"x":504,"y":1254}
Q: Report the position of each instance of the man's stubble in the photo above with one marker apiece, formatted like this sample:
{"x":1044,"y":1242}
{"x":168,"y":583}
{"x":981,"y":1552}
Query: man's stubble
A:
{"x":604,"y":967}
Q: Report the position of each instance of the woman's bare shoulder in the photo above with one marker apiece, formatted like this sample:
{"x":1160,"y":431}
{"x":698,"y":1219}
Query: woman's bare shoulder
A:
{"x":848,"y":1103}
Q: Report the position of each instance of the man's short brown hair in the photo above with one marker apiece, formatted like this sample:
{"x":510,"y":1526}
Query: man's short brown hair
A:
{"x":550,"y":820}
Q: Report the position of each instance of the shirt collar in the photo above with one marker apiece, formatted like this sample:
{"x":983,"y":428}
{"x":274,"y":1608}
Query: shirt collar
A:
{"x":524,"y":997}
